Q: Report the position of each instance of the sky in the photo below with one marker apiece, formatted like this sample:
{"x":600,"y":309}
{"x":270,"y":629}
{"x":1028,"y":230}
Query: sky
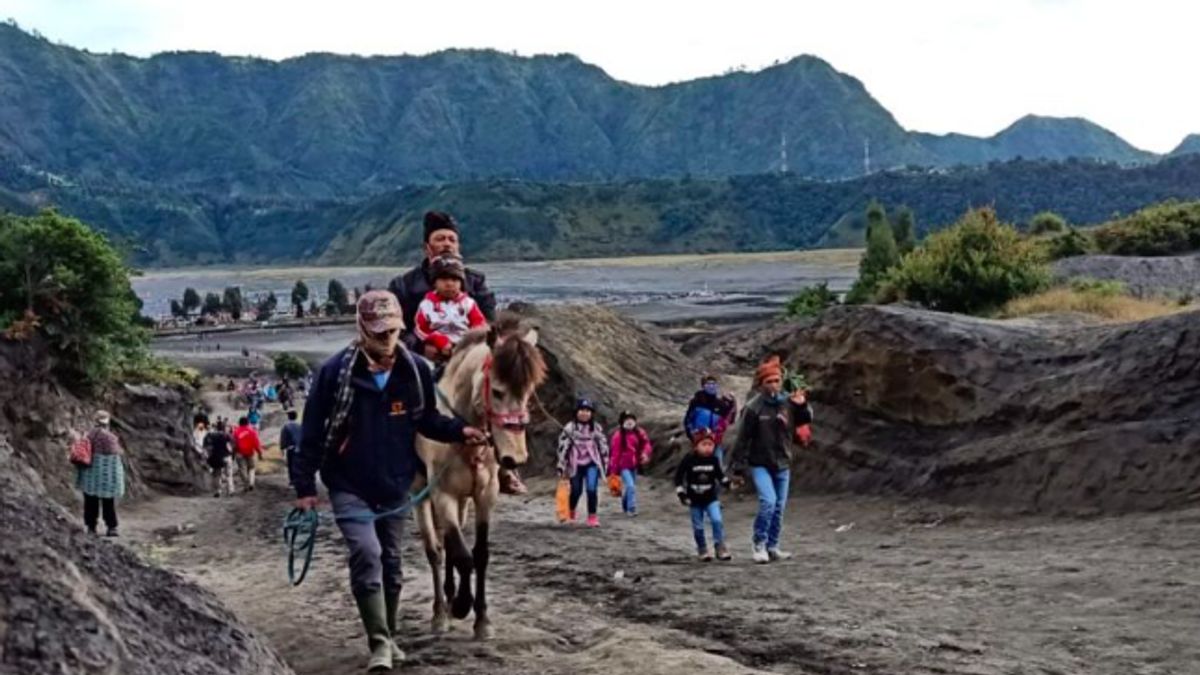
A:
{"x":970,"y":66}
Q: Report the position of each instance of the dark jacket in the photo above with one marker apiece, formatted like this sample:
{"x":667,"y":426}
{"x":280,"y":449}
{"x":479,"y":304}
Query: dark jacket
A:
{"x":411,"y":287}
{"x":378,"y":460}
{"x":218,"y":447}
{"x":289,"y":436}
{"x":715,"y":413}
{"x":698,"y":478}
{"x":767,"y":433}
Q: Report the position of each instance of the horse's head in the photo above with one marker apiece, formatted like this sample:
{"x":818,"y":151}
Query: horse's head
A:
{"x":513,"y":372}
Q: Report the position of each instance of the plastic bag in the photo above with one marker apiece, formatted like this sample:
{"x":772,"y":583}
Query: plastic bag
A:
{"x":615,"y":485}
{"x":562,"y":500}
{"x":81,"y":452}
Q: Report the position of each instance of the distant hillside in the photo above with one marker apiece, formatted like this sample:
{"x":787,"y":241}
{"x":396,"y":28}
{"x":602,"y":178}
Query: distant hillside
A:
{"x":328,"y":126}
{"x":507,"y":220}
{"x":1189,"y":146}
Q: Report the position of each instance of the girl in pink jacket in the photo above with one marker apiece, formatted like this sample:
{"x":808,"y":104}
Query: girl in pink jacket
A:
{"x":631,"y":448}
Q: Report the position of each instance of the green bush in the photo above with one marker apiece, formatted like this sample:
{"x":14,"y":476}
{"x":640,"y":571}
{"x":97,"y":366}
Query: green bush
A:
{"x":290,"y":366}
{"x":1102,"y":287}
{"x":881,"y":256}
{"x":63,"y":281}
{"x":975,"y":266}
{"x":1067,"y":244}
{"x":1162,"y":229}
{"x":811,"y":301}
{"x":1047,"y":222}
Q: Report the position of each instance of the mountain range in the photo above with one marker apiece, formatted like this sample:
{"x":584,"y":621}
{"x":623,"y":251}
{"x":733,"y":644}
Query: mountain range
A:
{"x":201,"y":158}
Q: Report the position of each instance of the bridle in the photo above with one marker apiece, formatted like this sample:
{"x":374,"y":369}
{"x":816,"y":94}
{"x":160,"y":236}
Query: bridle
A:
{"x":515,"y":422}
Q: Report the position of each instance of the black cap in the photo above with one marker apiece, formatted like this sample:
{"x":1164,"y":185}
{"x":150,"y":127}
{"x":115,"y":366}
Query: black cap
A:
{"x":438,"y":220}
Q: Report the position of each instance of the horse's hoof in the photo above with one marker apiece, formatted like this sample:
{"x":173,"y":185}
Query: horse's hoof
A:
{"x":484,"y":631}
{"x":461,"y":607}
{"x":440,"y":625}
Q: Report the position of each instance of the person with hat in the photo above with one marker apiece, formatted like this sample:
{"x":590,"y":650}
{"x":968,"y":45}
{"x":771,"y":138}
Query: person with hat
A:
{"x":630,"y":447}
{"x":102,"y":481}
{"x":367,"y":404}
{"x":712,"y":410}
{"x":764,"y":445}
{"x":446,"y":313}
{"x":583,"y":458}
{"x":411,"y":288}
{"x":696,"y":481}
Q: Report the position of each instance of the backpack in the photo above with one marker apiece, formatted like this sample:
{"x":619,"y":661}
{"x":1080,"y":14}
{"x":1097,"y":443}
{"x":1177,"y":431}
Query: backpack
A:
{"x":81,"y":452}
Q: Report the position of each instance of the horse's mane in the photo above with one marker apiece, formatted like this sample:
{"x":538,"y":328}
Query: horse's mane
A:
{"x":515,"y":362}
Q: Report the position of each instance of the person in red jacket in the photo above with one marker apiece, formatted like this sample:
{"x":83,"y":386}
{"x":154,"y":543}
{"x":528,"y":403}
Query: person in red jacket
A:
{"x":630,"y":448}
{"x":249,"y":450}
{"x":446,"y":313}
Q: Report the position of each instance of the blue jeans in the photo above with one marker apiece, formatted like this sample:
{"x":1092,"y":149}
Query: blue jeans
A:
{"x":629,"y":499}
{"x":772,"y":488}
{"x":713,"y":510}
{"x":590,"y":473}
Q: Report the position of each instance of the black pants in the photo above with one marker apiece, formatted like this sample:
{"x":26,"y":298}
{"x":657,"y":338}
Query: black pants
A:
{"x":91,"y":512}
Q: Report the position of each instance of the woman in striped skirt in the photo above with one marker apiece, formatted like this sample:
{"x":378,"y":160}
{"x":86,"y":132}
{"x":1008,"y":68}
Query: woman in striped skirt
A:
{"x":103,"y":482}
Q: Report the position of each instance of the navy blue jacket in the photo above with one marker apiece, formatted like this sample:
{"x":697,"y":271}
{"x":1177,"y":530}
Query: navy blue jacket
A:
{"x":379,"y":459}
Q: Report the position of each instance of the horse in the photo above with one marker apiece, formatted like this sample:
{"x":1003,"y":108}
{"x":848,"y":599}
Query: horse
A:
{"x":488,"y":383}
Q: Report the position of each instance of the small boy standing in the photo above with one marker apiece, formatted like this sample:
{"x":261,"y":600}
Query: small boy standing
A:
{"x":696,"y":482}
{"x":446,"y":313}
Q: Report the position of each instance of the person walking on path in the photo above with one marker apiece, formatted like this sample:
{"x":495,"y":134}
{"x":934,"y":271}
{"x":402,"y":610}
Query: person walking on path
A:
{"x":583,"y":458}
{"x":696,"y":481}
{"x":289,"y":441}
{"x":411,"y":288}
{"x":218,"y":450}
{"x":631,"y":448}
{"x":764,"y":444}
{"x":710,"y":409}
{"x":103,"y":481}
{"x":249,"y":451}
{"x":366,"y":407}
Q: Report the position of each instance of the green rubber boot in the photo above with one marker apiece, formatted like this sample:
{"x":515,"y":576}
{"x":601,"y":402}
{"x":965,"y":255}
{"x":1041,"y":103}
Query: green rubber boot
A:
{"x":391,"y":600}
{"x":373,"y":611}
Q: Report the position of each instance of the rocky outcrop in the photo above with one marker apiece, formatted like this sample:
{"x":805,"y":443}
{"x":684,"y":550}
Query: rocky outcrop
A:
{"x":1168,"y":276}
{"x":74,"y":603}
{"x":1019,"y":414}
{"x":595,"y":352}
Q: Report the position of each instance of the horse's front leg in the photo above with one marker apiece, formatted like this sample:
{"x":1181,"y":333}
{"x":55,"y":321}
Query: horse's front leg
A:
{"x":458,"y":556}
{"x":484,"y":503}
{"x":435,"y":554}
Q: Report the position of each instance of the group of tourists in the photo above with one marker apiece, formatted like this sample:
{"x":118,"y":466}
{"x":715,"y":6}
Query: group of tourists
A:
{"x":223,"y":447}
{"x":772,"y":423}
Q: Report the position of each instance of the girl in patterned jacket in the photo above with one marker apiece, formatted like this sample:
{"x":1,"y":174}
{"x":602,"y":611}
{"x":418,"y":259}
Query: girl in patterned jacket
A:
{"x":583,"y":458}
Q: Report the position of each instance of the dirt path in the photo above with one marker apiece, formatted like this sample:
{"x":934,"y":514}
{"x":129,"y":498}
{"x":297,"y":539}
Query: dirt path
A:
{"x":904,"y":590}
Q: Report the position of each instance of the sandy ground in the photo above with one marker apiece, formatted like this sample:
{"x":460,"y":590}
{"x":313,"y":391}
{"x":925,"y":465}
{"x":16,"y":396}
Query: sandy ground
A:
{"x":876,"y":587}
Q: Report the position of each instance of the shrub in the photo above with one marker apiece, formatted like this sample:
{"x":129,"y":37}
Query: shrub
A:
{"x":1098,"y":302}
{"x":64,"y":281}
{"x":1162,"y":229}
{"x":1067,"y":245}
{"x":811,"y":301}
{"x":289,"y":365}
{"x":881,"y":256}
{"x":1047,"y":222}
{"x":975,"y":266}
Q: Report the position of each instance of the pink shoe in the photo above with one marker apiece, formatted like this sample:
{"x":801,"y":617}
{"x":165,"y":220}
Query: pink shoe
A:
{"x":593,"y":521}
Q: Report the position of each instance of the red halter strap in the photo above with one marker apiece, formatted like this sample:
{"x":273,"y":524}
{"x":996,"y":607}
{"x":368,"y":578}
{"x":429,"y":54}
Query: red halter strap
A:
{"x":515,"y":422}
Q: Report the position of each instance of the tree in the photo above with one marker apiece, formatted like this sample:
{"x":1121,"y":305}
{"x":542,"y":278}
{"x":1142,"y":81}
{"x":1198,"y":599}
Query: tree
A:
{"x":212,"y":305}
{"x":337,"y":299}
{"x":266,"y":306}
{"x":975,"y":266}
{"x":65,"y":282}
{"x":233,"y":302}
{"x":177,"y":310}
{"x":299,"y":297}
{"x":905,"y":231}
{"x":881,"y":256}
{"x":290,"y":366}
{"x":1047,"y":222}
{"x":191,"y":301}
{"x":313,"y":309}
{"x":811,"y":301}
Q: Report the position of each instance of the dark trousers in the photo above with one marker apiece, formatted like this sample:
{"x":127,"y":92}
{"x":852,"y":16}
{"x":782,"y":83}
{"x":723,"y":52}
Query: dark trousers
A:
{"x":589,"y":474}
{"x":374,"y":545}
{"x":91,"y":512}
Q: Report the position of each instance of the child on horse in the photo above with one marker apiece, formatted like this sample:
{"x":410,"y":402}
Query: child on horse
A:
{"x":696,"y":482}
{"x":583,"y":458}
{"x":631,"y":450}
{"x":447,"y":313}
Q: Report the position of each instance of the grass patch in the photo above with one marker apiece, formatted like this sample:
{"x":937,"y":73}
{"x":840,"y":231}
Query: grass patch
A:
{"x":1108,"y":306}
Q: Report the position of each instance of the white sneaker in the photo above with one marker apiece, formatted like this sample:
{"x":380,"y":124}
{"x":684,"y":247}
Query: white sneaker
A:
{"x":776,"y":554}
{"x":759,"y":553}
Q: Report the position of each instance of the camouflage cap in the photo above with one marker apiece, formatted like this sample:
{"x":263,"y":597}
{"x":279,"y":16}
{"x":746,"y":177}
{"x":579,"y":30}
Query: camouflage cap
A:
{"x":379,"y":311}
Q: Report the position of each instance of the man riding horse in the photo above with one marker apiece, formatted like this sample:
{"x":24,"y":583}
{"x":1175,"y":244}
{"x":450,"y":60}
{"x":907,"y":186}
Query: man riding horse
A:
{"x":410,"y":288}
